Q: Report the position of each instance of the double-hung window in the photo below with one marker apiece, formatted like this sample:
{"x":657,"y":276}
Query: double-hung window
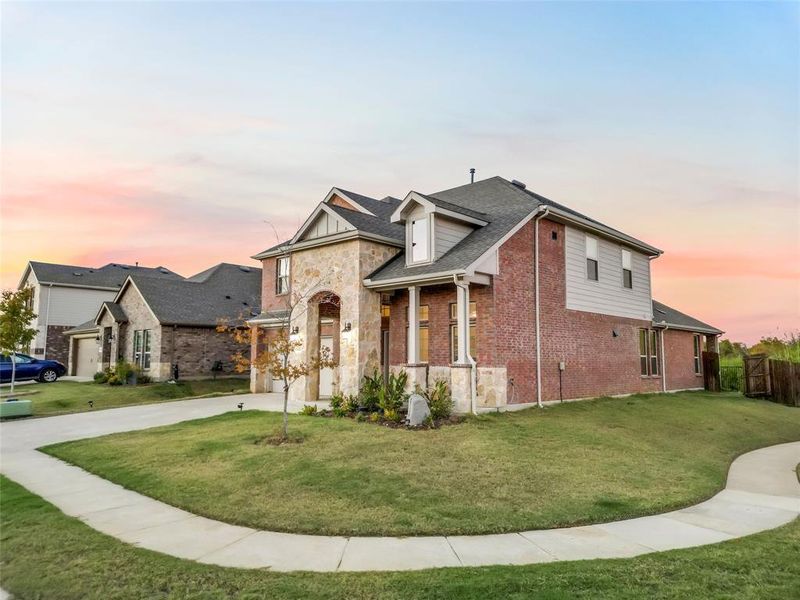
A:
{"x":592,"y":266}
{"x":627,"y":273}
{"x":698,"y":365}
{"x":649,"y":352}
{"x":282,"y":276}
{"x":141,"y":348}
{"x":473,"y":331}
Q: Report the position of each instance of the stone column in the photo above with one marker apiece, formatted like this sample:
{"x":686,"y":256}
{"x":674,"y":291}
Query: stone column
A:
{"x":461,"y":387}
{"x":309,"y":333}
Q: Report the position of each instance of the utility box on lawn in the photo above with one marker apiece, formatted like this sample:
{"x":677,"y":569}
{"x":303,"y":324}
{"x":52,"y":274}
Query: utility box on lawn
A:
{"x":16,"y":408}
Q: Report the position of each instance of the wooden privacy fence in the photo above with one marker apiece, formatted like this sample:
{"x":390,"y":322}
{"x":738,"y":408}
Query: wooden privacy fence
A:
{"x":779,"y":380}
{"x":784,"y":379}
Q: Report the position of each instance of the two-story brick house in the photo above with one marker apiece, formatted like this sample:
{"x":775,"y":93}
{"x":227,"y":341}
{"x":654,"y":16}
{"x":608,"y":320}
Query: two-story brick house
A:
{"x":510,"y":297}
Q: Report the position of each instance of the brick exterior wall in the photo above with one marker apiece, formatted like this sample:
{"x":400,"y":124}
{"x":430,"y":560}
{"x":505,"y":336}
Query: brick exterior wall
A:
{"x":196,"y":349}
{"x":679,"y":353}
{"x":597,"y":361}
{"x":57,"y":343}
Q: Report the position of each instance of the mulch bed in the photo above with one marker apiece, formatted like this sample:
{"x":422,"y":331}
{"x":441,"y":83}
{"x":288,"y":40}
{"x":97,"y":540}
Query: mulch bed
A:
{"x":383,"y":422}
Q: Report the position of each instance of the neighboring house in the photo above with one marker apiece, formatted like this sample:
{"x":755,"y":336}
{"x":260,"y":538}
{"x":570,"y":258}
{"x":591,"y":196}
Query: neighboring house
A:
{"x":508,"y":296}
{"x":158,"y":324}
{"x":67,"y":295}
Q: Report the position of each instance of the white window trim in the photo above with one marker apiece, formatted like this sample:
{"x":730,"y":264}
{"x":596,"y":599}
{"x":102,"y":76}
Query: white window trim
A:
{"x":288,"y":275}
{"x":595,"y":258}
{"x":409,"y":241}
{"x":625,"y":252}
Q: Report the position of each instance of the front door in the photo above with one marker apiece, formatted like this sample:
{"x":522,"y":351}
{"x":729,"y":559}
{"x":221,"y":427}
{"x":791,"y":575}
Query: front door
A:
{"x":326,"y":374}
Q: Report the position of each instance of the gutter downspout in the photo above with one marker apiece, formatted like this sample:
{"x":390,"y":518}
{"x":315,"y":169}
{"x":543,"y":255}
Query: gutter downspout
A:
{"x":538,"y":218}
{"x":473,"y":365}
{"x":47,"y":320}
{"x":663,"y":359}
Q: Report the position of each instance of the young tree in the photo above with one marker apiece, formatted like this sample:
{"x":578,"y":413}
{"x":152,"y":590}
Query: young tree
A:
{"x":16,"y":333}
{"x":278,"y":359}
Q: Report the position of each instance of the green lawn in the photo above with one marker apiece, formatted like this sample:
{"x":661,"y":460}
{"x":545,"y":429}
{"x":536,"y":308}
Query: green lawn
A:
{"x":47,"y":555}
{"x":70,"y":396}
{"x":570,"y":464}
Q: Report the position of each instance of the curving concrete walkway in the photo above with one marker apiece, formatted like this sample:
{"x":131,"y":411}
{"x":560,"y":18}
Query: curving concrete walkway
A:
{"x":762,"y":492}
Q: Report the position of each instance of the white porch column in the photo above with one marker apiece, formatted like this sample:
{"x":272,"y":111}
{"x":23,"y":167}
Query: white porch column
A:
{"x":413,"y":325}
{"x":462,"y":325}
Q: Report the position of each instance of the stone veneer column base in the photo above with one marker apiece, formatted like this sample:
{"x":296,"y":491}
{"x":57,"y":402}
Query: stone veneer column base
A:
{"x":461,"y":388}
{"x":417,"y":376}
{"x":492,"y":387}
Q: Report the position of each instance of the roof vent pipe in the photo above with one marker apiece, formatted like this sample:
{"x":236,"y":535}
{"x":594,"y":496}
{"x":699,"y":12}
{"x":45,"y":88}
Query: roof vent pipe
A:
{"x":472,"y":175}
{"x":517,"y":183}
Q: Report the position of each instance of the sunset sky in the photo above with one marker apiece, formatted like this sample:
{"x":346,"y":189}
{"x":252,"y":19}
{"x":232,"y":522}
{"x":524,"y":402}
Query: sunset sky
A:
{"x":183,"y":134}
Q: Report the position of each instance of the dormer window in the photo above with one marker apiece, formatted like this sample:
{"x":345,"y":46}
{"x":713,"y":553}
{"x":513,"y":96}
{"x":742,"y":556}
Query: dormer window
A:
{"x":420,"y":240}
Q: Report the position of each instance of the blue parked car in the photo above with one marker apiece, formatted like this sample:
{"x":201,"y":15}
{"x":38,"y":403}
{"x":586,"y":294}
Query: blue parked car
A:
{"x":45,"y":371}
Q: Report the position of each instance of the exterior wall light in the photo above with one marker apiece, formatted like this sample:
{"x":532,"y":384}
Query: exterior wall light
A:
{"x":347,"y":326}
{"x":295,"y":330}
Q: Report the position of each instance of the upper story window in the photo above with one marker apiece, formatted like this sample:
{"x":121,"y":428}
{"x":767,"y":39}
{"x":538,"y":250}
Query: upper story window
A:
{"x":591,"y":259}
{"x":282,"y":275}
{"x":627,"y":273}
{"x":420,"y":240}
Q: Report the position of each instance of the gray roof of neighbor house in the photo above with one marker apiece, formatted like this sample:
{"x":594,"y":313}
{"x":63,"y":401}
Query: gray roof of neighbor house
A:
{"x":224,"y":291}
{"x":88,"y":327}
{"x":110,"y":276}
{"x":116,"y":311}
{"x":678,"y":320}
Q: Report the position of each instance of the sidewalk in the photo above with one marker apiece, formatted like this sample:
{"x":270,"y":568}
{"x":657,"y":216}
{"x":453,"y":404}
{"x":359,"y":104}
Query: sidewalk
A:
{"x":762,"y":492}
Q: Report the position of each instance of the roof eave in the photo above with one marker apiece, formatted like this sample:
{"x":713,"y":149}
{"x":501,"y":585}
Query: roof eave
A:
{"x":605,"y":230}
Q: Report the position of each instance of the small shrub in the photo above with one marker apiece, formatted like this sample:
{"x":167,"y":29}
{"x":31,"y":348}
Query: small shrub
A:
{"x":351,"y":403}
{"x":101,"y":377}
{"x":391,"y":415}
{"x":374,"y":417}
{"x":440,"y":400}
{"x":370,"y":392}
{"x":114,"y":380}
{"x":337,"y":401}
{"x":123,"y":371}
{"x":394,"y":392}
{"x":143,"y":378}
{"x":309,"y":410}
{"x":361,"y":417}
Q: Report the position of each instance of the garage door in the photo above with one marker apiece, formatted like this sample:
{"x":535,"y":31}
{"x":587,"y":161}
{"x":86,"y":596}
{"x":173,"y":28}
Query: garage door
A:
{"x":86,"y":365}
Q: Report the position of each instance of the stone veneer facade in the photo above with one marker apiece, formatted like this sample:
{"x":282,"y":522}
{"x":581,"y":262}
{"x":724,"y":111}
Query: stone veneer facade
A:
{"x":337,"y":269}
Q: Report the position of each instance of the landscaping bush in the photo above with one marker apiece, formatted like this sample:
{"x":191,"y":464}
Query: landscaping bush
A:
{"x":351,"y":403}
{"x":370,"y":392}
{"x":101,"y":377}
{"x":114,"y":380}
{"x":338,"y":405}
{"x":309,"y":410}
{"x":393,"y":394}
{"x":440,"y":400}
{"x":123,"y":371}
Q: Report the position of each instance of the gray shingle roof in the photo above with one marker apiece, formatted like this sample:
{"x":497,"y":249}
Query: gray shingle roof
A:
{"x":87,"y":327}
{"x":110,"y":276}
{"x":224,"y":291}
{"x":381,"y":208}
{"x":455,"y":207}
{"x":675,"y":318}
{"x":116,"y":311}
{"x":369,"y":224}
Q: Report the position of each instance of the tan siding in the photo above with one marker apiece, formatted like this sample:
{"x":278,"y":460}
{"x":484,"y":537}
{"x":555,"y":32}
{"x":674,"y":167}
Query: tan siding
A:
{"x":448,"y":233}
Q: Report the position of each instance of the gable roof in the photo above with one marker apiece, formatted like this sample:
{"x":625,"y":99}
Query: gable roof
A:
{"x":225,"y":291}
{"x":87,"y":327}
{"x":505,"y":206}
{"x":674,"y":319}
{"x":114,"y":309}
{"x":107,"y":277}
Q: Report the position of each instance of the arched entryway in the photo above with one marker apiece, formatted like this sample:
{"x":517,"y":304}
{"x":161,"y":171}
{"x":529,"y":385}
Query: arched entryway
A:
{"x":323,"y":327}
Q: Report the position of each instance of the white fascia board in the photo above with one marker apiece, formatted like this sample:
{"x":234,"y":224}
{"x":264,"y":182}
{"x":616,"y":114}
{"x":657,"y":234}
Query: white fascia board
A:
{"x":397,"y":215}
{"x":406,"y":280}
{"x":605,"y":231}
{"x":330,"y":239}
{"x":671,"y":326}
{"x":320,"y":208}
{"x":337,"y":192}
{"x":23,"y":279}
{"x":470,"y":270}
